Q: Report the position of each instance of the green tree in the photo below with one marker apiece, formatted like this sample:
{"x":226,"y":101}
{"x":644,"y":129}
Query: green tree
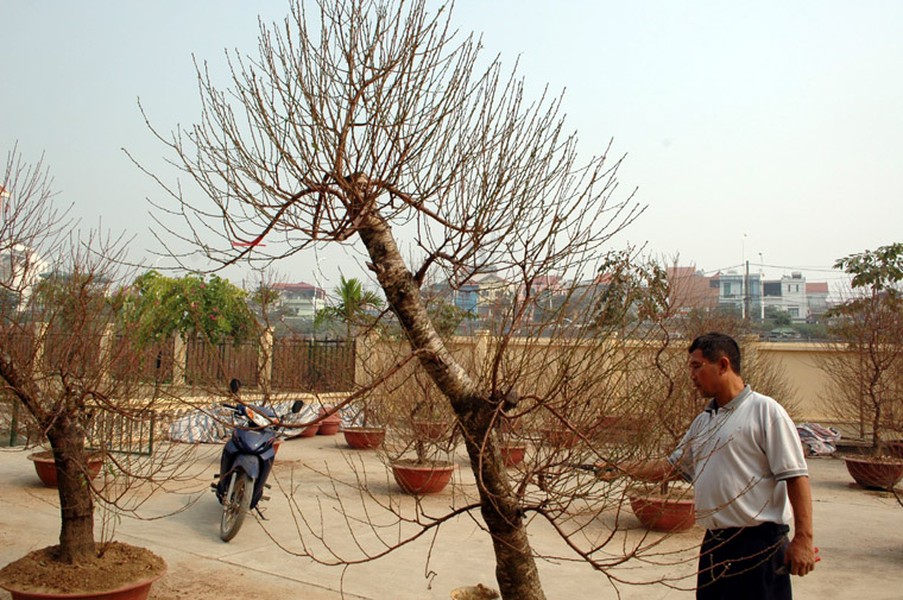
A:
{"x":778,"y":316}
{"x":870,"y":324}
{"x":353,"y":307}
{"x":160,"y":306}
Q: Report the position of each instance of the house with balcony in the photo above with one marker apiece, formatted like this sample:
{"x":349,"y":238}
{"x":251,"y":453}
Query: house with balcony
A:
{"x":740,"y":292}
{"x":299,"y":301}
{"x":789,"y":294}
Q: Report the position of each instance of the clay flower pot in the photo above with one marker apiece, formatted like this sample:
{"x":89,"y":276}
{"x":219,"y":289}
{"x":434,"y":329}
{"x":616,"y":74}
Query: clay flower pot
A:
{"x":664,"y":513}
{"x":138,"y":590}
{"x":512,"y":454}
{"x":422,"y":478}
{"x":38,"y":575}
{"x":45,"y":466}
{"x":875,"y":472}
{"x":364,"y":438}
{"x":310,"y":430}
{"x":329,"y":425}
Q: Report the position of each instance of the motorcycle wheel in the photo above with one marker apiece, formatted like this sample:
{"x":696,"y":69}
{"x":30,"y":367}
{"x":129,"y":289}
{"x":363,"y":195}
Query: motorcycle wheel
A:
{"x":236,"y":505}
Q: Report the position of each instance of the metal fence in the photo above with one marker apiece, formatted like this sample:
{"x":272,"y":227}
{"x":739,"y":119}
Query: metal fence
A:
{"x":207,"y":364}
{"x":312,"y":365}
{"x":153,"y":363}
{"x":121,"y":432}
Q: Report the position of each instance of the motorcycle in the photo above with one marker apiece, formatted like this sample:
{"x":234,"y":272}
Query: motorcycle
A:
{"x":246,"y":462}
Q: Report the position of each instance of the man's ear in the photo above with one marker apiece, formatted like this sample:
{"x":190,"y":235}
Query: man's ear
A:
{"x":724,"y":364}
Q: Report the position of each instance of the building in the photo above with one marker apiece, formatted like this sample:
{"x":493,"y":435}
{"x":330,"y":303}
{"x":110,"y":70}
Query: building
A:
{"x":691,"y":289}
{"x":753,"y":294}
{"x":482,"y":295}
{"x":20,"y":269}
{"x":300,"y":301}
{"x":789,"y":294}
{"x":817,"y":296}
{"x":740,"y":292}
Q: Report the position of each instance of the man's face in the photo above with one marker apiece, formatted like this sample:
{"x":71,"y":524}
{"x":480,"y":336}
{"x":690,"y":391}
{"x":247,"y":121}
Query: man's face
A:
{"x":704,"y":374}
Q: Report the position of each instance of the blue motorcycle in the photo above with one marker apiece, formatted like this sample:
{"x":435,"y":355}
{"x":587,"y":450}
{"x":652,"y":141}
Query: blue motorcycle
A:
{"x":246,"y":461}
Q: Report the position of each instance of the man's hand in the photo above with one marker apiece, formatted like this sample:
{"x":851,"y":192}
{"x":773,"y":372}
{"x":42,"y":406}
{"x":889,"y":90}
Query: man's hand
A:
{"x":606,"y":471}
{"x":801,"y":556}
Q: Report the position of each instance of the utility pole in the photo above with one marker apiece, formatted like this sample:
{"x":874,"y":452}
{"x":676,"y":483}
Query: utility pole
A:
{"x":746,"y":298}
{"x":761,"y":287}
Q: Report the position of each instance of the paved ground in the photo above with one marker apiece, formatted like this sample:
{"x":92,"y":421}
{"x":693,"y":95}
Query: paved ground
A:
{"x":859,"y":533}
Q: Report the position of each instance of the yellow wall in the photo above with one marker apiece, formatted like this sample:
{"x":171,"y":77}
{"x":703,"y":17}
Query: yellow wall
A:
{"x":800,"y":362}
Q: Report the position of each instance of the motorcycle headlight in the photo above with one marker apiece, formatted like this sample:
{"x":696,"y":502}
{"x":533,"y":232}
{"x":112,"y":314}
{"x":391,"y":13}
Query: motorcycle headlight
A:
{"x":258,"y":418}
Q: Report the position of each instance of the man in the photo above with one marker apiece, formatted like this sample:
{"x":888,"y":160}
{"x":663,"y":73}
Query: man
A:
{"x":745,"y":460}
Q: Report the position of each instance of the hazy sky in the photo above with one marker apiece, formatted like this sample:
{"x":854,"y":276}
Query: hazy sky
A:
{"x":767,"y":131}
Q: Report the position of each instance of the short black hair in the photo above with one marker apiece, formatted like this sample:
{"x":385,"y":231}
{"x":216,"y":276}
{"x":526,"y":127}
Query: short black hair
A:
{"x":714,"y":345}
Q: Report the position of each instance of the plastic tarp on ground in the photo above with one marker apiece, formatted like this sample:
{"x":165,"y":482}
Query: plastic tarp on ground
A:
{"x":818,"y":440}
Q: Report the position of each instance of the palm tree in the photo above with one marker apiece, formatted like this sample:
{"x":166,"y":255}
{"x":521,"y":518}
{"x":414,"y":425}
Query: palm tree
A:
{"x":353,"y":306}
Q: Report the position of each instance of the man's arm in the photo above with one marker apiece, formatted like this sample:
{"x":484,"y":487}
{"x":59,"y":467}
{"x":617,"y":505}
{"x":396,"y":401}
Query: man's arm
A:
{"x":801,"y":552}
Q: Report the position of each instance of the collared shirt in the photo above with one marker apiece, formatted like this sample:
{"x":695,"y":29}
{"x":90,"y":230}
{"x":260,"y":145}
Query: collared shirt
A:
{"x":738,"y":458}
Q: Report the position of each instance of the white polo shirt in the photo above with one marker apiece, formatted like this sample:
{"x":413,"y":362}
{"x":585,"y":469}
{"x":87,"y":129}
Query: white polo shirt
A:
{"x":737,"y":458}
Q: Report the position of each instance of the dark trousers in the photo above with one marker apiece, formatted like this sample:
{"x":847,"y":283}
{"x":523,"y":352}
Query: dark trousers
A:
{"x":744,"y":563}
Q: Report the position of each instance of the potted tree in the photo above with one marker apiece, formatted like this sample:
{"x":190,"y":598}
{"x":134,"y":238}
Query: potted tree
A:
{"x":365,"y":433}
{"x":422,"y":441}
{"x":430,"y":418}
{"x":423,"y":472}
{"x":867,"y":371}
{"x":329,"y":419}
{"x":73,"y":371}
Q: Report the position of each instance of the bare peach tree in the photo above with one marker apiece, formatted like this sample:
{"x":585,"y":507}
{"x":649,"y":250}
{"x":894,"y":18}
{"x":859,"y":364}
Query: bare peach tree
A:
{"x":366,"y":123}
{"x":64,"y":357}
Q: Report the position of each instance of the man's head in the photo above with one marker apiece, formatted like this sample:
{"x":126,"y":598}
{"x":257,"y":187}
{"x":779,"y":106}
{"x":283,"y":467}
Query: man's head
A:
{"x":714,"y":364}
{"x":715,"y":345}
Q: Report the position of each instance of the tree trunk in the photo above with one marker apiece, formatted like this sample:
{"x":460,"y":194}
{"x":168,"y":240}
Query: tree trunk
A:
{"x":67,"y":439}
{"x":74,"y":486}
{"x":516,"y":572}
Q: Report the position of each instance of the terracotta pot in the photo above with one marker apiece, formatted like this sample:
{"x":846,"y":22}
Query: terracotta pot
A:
{"x":45,"y":466}
{"x":875,"y":473}
{"x":138,"y":590}
{"x":331,"y":424}
{"x":431,"y":431}
{"x":364,"y":438}
{"x":329,"y":428}
{"x":310,"y":430}
{"x":661,"y":513}
{"x":512,"y":454}
{"x":428,"y":478}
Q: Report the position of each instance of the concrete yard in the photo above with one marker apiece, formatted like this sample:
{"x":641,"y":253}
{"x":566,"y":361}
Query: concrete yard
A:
{"x":858,"y":532}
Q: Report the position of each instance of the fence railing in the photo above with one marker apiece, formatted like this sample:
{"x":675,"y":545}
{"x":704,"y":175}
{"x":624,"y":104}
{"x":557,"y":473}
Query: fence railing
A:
{"x":312,"y":365}
{"x":121,"y":432}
